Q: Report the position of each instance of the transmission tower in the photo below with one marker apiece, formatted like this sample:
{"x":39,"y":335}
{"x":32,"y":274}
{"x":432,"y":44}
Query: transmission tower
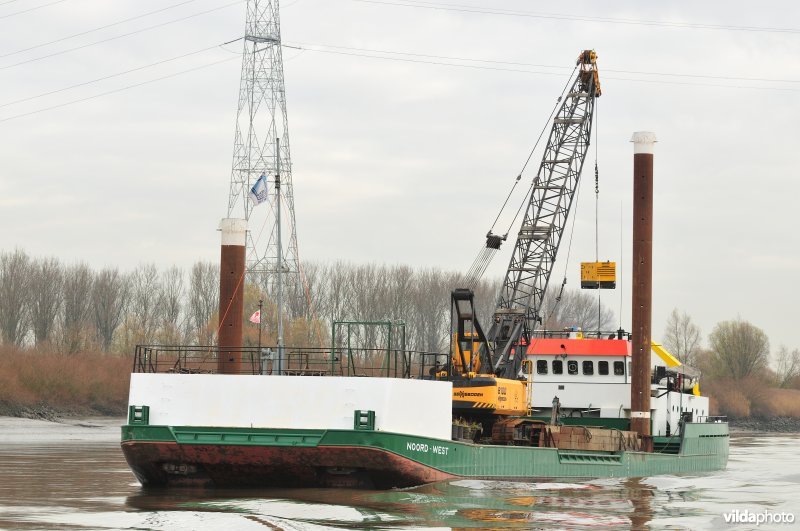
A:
{"x":261,"y":120}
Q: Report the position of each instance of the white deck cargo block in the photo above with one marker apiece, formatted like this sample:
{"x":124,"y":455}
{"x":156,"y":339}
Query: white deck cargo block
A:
{"x":414,"y":407}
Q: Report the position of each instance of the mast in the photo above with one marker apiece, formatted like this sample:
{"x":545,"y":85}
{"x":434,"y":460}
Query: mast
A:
{"x":280,"y":252}
{"x":231,"y":294}
{"x":642,"y":296}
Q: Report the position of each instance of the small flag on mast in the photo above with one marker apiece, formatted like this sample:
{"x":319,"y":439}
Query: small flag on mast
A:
{"x":256,"y":317}
{"x":258,"y":193}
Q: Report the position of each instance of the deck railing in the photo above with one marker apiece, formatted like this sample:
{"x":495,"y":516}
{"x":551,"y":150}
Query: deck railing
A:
{"x":710,"y":418}
{"x":586,"y":334}
{"x":194,"y":359}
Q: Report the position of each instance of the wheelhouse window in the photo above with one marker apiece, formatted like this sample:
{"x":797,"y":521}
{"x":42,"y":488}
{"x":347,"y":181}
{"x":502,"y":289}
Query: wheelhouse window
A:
{"x":558,"y":367}
{"x":588,"y":367}
{"x":602,"y":368}
{"x":619,"y":368}
{"x":572,"y":367}
{"x":541,"y":366}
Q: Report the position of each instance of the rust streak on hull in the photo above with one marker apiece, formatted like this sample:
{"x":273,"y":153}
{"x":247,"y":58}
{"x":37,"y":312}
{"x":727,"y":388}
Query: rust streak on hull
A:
{"x":197,"y":465}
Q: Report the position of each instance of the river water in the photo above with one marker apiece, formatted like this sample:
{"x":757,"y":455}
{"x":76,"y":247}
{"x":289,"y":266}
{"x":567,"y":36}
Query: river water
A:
{"x":72,"y":475}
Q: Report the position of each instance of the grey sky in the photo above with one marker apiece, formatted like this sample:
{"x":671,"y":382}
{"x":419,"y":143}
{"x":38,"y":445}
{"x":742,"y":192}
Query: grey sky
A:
{"x":408,"y":162}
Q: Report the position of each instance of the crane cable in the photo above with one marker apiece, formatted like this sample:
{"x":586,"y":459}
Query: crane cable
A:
{"x":530,"y":188}
{"x":493,"y":241}
{"x":597,"y":209}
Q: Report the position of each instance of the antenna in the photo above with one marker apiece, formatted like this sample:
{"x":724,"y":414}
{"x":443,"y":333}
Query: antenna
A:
{"x":261,"y":119}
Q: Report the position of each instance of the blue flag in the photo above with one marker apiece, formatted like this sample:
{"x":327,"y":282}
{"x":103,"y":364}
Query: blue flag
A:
{"x":258,"y":193}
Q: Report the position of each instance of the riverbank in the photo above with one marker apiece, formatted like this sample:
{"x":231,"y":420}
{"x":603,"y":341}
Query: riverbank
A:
{"x":51,"y":386}
{"x":35,"y":432}
{"x":63,"y":413}
{"x":46,"y":385}
{"x":768,"y":424}
{"x":57,"y":413}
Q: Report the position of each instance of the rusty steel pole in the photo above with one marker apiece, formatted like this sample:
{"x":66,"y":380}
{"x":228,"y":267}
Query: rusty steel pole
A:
{"x":642,"y":296}
{"x":231,"y":295}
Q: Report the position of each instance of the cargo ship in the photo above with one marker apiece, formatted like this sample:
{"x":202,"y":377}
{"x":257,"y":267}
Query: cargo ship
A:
{"x":188,"y":427}
{"x":512,"y":402}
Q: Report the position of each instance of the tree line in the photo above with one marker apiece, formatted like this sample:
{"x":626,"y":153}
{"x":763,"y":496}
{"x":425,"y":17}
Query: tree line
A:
{"x":737,"y":350}
{"x":743,"y":376}
{"x":70,"y":308}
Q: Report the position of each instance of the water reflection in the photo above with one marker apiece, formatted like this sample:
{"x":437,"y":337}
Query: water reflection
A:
{"x":56,"y":477}
{"x":641,"y":497}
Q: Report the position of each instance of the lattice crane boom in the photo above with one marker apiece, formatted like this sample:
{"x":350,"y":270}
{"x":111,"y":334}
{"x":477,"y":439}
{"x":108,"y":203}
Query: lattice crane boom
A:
{"x":554,"y":187}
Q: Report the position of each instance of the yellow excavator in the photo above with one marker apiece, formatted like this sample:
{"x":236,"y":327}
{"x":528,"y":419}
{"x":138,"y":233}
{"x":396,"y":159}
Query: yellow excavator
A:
{"x":487,"y":370}
{"x":477,"y":392}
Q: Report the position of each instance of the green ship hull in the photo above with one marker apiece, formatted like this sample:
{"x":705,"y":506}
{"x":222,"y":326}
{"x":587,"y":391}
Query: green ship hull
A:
{"x":263,"y":457}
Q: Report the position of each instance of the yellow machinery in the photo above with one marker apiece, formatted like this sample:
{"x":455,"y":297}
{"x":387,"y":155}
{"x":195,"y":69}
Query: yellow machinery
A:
{"x":485,"y":394}
{"x":463,"y":361}
{"x":477,"y":391}
{"x":598,"y":275}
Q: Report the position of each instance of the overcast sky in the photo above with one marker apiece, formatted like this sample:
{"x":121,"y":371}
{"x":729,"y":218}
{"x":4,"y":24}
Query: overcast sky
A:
{"x":408,"y":162}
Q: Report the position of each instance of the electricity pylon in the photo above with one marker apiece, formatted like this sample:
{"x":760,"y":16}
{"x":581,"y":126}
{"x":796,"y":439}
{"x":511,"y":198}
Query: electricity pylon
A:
{"x":261,"y":120}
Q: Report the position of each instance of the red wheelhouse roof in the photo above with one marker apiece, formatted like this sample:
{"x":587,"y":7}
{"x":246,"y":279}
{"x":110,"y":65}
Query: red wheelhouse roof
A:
{"x":579,"y":347}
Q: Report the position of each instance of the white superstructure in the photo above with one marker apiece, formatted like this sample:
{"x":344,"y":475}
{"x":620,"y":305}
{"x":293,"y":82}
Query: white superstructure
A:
{"x":591,"y":379}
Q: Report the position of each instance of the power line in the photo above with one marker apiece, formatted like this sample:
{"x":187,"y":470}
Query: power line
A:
{"x":581,"y":18}
{"x":303,"y":47}
{"x":372,"y":55}
{"x":62,"y":52}
{"x":110,"y":76}
{"x":121,"y":89}
{"x":29,"y":9}
{"x":97,"y":28}
{"x":420,"y":61}
{"x":536,"y":65}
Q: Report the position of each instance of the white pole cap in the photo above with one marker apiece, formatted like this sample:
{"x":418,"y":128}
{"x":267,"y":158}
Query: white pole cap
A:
{"x":643,"y":142}
{"x":234,"y":231}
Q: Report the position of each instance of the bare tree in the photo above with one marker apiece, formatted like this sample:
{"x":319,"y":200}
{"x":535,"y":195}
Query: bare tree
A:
{"x":575,"y":308}
{"x":110,"y":300}
{"x":486,"y":300}
{"x":738,"y":349}
{"x":682,"y":337}
{"x":14,"y":281}
{"x":171,"y":302}
{"x":151,"y":305}
{"x":146,"y":292}
{"x":204,"y":299}
{"x":788,"y":366}
{"x":301,"y":301}
{"x":75,"y":313}
{"x":46,"y":296}
{"x":337,"y":295}
{"x":311,"y":301}
{"x":431,"y":326}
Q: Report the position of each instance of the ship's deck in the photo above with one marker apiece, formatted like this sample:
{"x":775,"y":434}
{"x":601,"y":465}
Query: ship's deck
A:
{"x":291,"y":361}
